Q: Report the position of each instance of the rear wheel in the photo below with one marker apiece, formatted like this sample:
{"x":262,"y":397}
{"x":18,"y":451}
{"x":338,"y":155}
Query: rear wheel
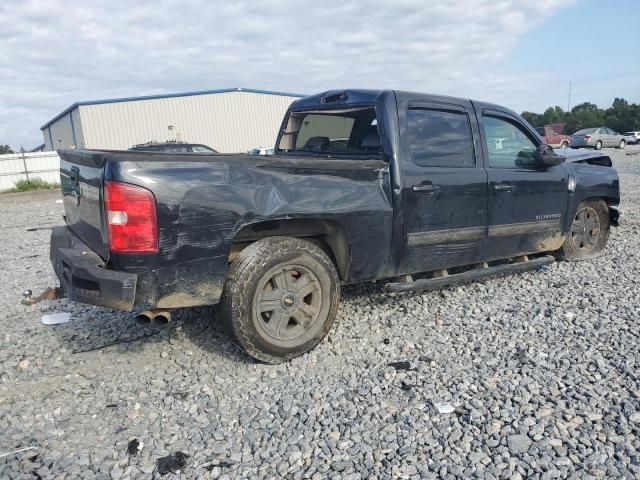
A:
{"x":598,"y":145}
{"x":589,"y":231}
{"x":564,"y":144}
{"x":622,"y":144}
{"x":280,"y":298}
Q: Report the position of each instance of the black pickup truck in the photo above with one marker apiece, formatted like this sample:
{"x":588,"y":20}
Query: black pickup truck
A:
{"x":363,"y":185}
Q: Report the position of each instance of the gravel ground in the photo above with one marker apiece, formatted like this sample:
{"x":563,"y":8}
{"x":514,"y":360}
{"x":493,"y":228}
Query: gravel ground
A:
{"x":530,"y":375}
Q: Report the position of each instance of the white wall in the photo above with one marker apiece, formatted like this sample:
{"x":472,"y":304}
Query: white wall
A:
{"x":228,"y":122}
{"x":44,"y":165}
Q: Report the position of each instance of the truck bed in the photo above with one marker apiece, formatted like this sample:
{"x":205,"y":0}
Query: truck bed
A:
{"x":207,"y":202}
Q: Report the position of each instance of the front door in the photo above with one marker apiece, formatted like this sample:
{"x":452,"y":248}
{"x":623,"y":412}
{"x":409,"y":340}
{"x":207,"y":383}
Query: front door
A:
{"x":445,"y":190}
{"x":526,"y":201}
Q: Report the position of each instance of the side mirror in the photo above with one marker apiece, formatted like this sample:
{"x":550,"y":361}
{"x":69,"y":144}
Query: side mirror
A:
{"x":545,"y":156}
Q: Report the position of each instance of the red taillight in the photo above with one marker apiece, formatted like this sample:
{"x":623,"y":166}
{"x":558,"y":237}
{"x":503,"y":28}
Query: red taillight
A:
{"x":132,"y":223}
{"x":587,"y":138}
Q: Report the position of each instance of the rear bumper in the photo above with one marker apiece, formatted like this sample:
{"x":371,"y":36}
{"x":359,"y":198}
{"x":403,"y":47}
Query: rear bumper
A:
{"x":83,"y":274}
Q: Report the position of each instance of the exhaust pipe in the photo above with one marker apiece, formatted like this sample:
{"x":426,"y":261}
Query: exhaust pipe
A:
{"x":161,"y":317}
{"x":157,"y":315}
{"x":144,"y":318}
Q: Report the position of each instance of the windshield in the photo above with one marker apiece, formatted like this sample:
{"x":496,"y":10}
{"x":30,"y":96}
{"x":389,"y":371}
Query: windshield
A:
{"x":584,"y":131}
{"x":344,"y":131}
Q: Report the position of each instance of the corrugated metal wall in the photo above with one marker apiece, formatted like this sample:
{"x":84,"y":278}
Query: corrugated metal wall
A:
{"x":77,"y":126}
{"x":228,"y":122}
{"x":61,"y":132}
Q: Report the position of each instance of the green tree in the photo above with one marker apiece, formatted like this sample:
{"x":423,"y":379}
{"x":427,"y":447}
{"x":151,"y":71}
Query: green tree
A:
{"x":4,"y":149}
{"x":534,"y":119}
{"x":554,"y":115}
{"x":621,"y":116}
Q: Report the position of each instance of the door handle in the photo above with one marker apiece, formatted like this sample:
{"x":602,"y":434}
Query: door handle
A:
{"x":425,"y":188}
{"x":74,"y":176}
{"x":503,"y":187}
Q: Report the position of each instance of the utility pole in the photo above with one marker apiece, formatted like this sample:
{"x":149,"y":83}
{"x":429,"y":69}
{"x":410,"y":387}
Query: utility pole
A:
{"x":569,"y":101}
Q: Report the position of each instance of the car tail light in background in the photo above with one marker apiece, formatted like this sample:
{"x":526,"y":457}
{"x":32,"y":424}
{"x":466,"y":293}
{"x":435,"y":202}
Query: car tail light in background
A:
{"x":132,"y":223}
{"x":587,"y":138}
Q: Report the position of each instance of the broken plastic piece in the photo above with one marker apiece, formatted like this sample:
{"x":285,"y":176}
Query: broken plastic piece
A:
{"x":134,"y":447}
{"x":172,"y":463}
{"x":404,"y":365}
{"x":56,"y":318}
{"x":444,"y":407}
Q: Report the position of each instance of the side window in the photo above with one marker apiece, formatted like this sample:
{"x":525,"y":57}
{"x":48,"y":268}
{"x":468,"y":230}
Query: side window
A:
{"x":508,"y":145}
{"x":440,"y":138}
{"x":201,"y":149}
{"x":177,"y":150}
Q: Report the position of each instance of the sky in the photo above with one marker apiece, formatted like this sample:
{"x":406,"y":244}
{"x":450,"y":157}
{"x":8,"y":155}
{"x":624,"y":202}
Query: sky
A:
{"x":518,"y":53}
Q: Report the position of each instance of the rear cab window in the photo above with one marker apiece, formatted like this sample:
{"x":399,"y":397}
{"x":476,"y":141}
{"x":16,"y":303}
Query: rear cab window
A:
{"x":345,"y":131}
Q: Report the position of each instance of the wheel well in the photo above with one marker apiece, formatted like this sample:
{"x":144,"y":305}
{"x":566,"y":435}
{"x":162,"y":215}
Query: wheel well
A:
{"x":327,"y":234}
{"x":612,"y":206}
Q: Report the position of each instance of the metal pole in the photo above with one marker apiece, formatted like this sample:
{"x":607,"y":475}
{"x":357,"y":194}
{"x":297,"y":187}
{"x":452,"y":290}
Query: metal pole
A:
{"x":24,"y":162}
{"x":569,"y":101}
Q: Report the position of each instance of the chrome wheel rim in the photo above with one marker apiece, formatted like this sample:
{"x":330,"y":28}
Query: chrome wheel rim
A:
{"x":585,"y":229}
{"x":288,"y":303}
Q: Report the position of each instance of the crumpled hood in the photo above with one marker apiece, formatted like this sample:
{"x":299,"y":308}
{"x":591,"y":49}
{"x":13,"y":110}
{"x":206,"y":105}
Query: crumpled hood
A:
{"x":582,"y":155}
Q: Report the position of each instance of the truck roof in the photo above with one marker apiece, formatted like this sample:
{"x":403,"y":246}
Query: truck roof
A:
{"x":358,"y":96}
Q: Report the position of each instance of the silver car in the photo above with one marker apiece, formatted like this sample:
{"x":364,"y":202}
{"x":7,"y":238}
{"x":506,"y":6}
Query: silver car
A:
{"x":632,"y":137}
{"x":597,"y":138}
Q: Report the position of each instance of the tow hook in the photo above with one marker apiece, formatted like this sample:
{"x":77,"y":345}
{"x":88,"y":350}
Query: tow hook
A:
{"x":49,"y":294}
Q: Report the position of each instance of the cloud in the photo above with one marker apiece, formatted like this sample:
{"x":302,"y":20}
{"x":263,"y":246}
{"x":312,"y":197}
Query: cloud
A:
{"x":56,"y":52}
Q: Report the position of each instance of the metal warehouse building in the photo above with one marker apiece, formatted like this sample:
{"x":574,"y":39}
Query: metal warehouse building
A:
{"x":229,"y":120}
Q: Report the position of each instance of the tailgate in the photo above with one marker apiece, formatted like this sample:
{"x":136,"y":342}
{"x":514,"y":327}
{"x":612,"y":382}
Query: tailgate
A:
{"x":81,"y":178}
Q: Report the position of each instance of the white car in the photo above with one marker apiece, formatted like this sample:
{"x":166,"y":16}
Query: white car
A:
{"x":261,"y":151}
{"x":632,"y":137}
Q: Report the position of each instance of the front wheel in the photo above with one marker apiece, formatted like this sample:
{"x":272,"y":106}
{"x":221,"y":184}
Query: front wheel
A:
{"x":280,"y":298}
{"x":622,"y":144}
{"x":589,"y":231}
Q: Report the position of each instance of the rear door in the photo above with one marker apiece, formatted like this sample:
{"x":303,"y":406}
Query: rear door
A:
{"x":527,"y":202}
{"x":615,"y":137}
{"x":605,"y":137}
{"x":445,"y":185}
{"x":81,"y":179}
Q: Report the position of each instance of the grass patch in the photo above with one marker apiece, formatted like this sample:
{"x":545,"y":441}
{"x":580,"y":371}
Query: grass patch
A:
{"x":33,"y":184}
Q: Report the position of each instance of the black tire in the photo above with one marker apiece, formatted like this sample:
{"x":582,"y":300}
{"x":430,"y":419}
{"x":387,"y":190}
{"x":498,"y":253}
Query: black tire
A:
{"x":589,"y":231}
{"x":622,"y":144}
{"x":598,"y":145}
{"x":280,"y":298}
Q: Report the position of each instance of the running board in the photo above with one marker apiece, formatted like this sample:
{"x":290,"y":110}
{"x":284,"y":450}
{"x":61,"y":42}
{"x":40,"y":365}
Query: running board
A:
{"x":520,"y":264}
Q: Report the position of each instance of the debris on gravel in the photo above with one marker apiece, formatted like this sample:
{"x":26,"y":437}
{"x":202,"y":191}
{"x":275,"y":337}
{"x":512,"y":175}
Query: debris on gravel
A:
{"x":536,"y":376}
